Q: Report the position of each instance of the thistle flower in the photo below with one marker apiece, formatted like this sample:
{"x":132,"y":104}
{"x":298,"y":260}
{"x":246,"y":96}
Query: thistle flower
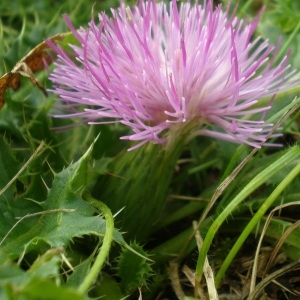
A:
{"x":163,"y":70}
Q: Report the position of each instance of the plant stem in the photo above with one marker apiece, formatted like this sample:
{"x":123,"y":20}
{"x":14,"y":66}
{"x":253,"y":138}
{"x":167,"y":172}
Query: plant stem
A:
{"x":104,"y":250}
{"x":290,"y":156}
{"x":257,"y":217}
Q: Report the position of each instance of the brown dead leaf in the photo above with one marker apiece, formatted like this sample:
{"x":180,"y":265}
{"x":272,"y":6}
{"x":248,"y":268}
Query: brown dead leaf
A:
{"x":31,"y":63}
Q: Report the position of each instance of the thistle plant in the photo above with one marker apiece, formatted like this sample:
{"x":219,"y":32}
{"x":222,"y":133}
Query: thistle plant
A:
{"x":168,"y":74}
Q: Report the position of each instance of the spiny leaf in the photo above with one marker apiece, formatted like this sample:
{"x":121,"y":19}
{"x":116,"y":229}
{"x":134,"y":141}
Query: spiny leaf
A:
{"x":65,"y":215}
{"x":133,"y":270}
{"x":41,"y":281}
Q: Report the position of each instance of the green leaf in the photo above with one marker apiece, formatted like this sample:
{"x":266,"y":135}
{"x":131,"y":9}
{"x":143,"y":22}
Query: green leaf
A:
{"x":133,"y":270}
{"x":65,"y":215}
{"x":80,"y":272}
{"x":41,"y":281}
{"x":108,"y":289}
{"x":46,"y":265}
{"x":40,"y":289}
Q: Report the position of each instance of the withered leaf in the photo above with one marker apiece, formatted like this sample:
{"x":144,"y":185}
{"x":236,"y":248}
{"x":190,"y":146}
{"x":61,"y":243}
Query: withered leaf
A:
{"x":27,"y":66}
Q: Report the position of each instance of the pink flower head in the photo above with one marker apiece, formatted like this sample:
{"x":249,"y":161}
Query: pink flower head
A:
{"x":158,"y":68}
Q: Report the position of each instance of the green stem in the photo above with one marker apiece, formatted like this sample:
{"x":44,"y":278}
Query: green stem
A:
{"x":257,"y":217}
{"x":104,"y":250}
{"x":138,"y":182}
{"x":261,"y":178}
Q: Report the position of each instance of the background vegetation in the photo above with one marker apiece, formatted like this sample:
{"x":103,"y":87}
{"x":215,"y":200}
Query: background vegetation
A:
{"x":55,"y":237}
